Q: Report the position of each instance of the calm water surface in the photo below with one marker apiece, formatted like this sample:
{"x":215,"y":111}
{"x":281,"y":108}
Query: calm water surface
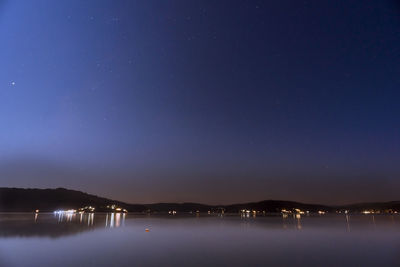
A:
{"x":121,"y":240}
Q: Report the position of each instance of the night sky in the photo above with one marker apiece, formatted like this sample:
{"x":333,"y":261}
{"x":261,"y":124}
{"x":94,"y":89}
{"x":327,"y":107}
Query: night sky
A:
{"x":203,"y":101}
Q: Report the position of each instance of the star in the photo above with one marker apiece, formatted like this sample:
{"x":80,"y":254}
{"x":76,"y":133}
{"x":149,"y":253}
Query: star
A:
{"x":12,"y":83}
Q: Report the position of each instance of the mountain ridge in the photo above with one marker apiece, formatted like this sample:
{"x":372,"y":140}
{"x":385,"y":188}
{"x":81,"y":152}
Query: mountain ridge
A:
{"x":14,"y":199}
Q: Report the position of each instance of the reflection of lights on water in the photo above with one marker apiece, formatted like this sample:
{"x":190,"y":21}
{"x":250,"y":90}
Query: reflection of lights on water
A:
{"x":298,"y":217}
{"x":71,"y":216}
{"x":68,"y":216}
{"x":245,"y":213}
{"x":112,"y":220}
{"x":347,"y":222}
{"x":115,"y":220}
{"x":90,"y":219}
{"x":36,"y":217}
{"x":60,"y":216}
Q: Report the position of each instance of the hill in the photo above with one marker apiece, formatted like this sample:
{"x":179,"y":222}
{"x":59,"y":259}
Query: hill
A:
{"x":25,"y":200}
{"x":28,"y":200}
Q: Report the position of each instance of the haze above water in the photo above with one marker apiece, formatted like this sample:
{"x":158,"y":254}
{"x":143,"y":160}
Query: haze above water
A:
{"x":122,"y":240}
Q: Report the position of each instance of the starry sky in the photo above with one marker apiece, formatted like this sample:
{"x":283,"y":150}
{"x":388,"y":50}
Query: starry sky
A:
{"x":203,"y":101}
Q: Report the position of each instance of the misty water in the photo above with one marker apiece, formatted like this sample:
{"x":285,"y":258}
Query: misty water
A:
{"x":205,"y":240}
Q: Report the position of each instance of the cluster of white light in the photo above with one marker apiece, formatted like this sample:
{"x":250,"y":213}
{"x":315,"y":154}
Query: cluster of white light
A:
{"x":298,"y":211}
{"x":87,"y":209}
{"x":116,"y":208}
{"x":65,"y":211}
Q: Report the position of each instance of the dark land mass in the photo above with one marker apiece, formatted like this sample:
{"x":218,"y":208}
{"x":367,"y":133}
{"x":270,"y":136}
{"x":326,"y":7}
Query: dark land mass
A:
{"x":47,"y":200}
{"x":25,"y":200}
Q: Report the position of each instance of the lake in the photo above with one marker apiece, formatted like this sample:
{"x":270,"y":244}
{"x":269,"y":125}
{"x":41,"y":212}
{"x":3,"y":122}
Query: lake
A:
{"x":97,"y":239}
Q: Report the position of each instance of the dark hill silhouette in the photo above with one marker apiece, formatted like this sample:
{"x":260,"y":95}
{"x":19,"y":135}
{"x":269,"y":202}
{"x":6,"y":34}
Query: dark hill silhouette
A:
{"x":28,"y":200}
{"x":18,"y":199}
{"x":358,"y":207}
{"x":277,"y":206}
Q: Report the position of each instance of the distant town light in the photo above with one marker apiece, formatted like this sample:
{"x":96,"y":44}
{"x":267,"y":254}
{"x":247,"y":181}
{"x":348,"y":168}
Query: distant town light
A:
{"x":65,"y":211}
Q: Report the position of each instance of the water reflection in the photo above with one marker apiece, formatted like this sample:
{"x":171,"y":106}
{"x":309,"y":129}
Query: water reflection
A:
{"x":298,"y":217}
{"x":57,"y":224}
{"x":115,"y":220}
{"x":205,"y":241}
{"x":112,"y":220}
{"x":348,"y":222}
{"x":373,"y":221}
{"x":47,"y":224}
{"x":64,"y":217}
